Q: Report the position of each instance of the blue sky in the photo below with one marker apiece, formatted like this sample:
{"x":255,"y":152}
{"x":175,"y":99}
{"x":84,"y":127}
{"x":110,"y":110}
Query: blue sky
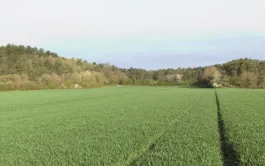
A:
{"x":149,"y":34}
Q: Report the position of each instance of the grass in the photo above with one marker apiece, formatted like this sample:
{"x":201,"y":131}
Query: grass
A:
{"x":192,"y":140}
{"x":244,"y":117}
{"x":130,"y":126}
{"x":92,"y":127}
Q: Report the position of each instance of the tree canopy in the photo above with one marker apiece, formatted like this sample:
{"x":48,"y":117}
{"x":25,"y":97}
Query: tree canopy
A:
{"x":26,"y":67}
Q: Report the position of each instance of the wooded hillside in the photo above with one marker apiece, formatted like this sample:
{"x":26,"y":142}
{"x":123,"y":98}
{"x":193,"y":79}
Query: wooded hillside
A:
{"x":31,"y":68}
{"x":24,"y":67}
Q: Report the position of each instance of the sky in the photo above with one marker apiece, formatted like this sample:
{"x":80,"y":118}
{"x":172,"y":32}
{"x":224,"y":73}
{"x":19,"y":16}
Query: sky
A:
{"x":149,"y":34}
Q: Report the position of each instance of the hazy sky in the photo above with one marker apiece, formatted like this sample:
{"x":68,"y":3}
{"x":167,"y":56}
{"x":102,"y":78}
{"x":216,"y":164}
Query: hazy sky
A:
{"x":140,"y":33}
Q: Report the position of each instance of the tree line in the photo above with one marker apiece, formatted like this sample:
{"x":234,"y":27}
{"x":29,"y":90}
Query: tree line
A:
{"x":25,"y":67}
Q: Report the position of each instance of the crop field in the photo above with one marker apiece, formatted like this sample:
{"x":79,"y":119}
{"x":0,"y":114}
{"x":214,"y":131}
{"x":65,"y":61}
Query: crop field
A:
{"x":132,"y":126}
{"x":192,"y":140}
{"x":243,"y":112}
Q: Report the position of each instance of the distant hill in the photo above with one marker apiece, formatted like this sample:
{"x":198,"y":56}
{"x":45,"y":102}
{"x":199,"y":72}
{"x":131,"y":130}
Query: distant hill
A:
{"x":25,"y":67}
{"x":244,"y":73}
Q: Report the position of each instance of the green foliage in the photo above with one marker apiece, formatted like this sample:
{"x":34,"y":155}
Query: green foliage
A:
{"x":191,"y":139}
{"x":47,"y":70}
{"x":129,"y":126}
{"x":37,"y":63}
{"x":105,"y":126}
{"x":244,"y":117}
{"x":244,"y":73}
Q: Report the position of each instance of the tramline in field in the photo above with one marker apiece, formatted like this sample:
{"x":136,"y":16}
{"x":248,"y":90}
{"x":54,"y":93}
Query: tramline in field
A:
{"x":131,"y":126}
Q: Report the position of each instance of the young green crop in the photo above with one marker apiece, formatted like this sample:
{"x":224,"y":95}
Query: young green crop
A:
{"x":191,"y":140}
{"x":129,"y":126}
{"x":244,"y":117}
{"x":94,"y":127}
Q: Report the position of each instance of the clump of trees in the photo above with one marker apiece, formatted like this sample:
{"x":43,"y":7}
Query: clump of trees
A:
{"x":210,"y":76}
{"x":25,"y":67}
{"x":243,"y":73}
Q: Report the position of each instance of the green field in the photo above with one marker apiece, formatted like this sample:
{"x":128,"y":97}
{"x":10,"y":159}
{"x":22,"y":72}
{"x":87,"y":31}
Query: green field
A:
{"x":131,"y":126}
{"x":244,"y":117}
